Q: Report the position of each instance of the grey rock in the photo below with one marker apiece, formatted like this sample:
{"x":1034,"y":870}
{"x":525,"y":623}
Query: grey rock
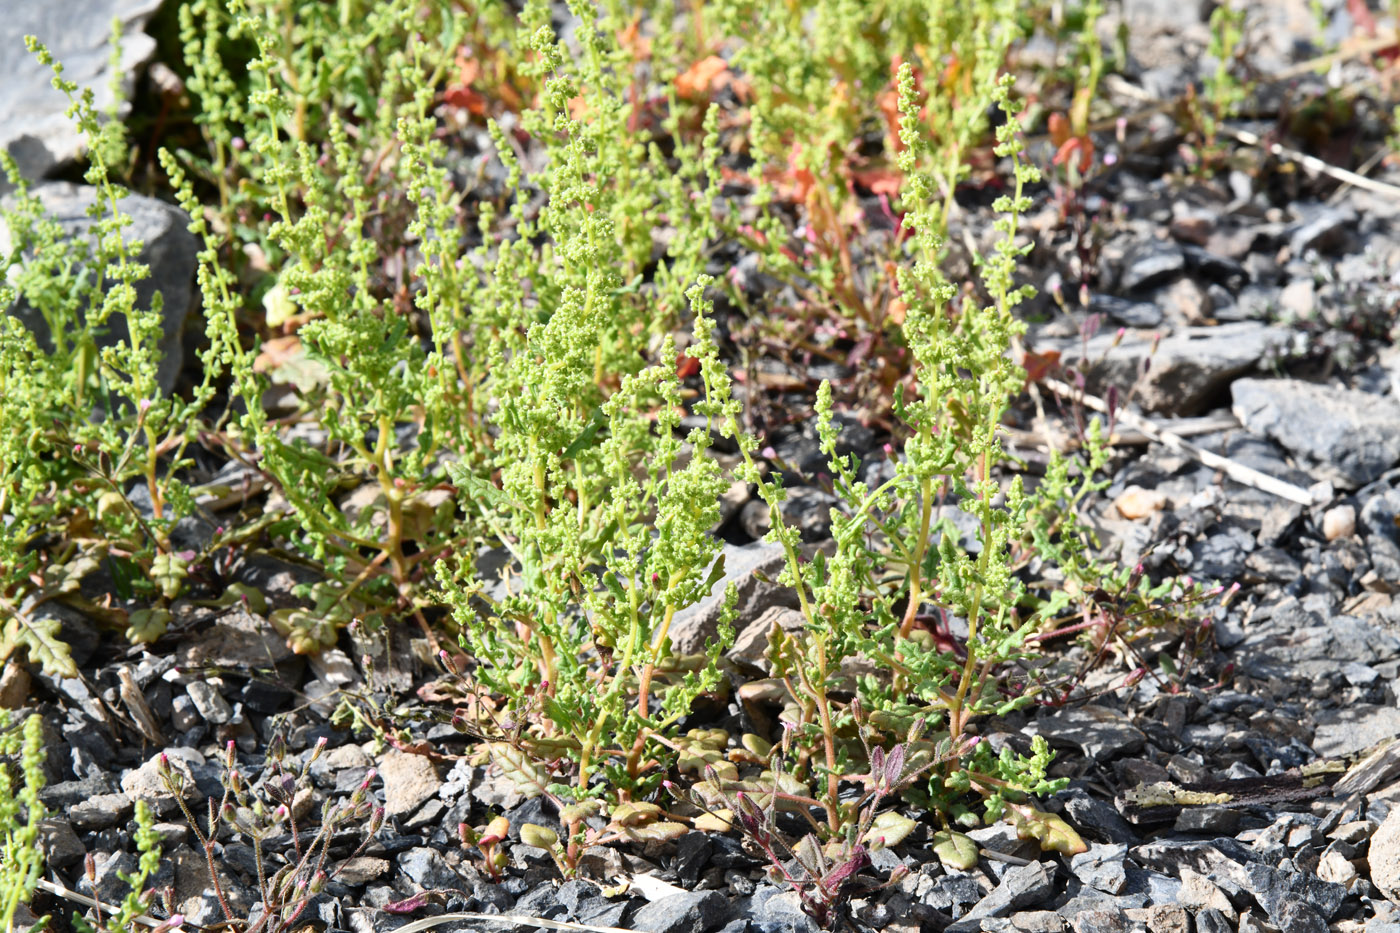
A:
{"x":1223,"y":860}
{"x":779,"y":913}
{"x":99,"y":812}
{"x":1102,"y":867}
{"x":65,"y":794}
{"x":1208,"y":820}
{"x":61,"y":845}
{"x":1351,"y":729}
{"x":1150,"y":263}
{"x":1222,"y":555}
{"x":1154,"y":887}
{"x":750,"y":644}
{"x":238,"y":639}
{"x":1273,"y":564}
{"x":209,"y":702}
{"x":542,"y":901}
{"x":107,"y":883}
{"x":1348,"y":437}
{"x":1188,"y":369}
{"x":262,"y":696}
{"x":1105,"y":919}
{"x":1214,"y":266}
{"x":687,"y":912}
{"x":577,"y":894}
{"x":1022,"y":886}
{"x":202,"y":909}
{"x":427,"y":869}
{"x":798,"y":446}
{"x":953,"y":893}
{"x":1095,"y":818}
{"x":692,"y":854}
{"x":409,"y":781}
{"x":1098,"y":731}
{"x":1294,"y":900}
{"x":1212,"y":920}
{"x":168,"y":249}
{"x":806,"y":508}
{"x":1321,"y":227}
{"x":1383,"y":858}
{"x":1125,"y":312}
{"x":146,"y":782}
{"x":692,"y":627}
{"x":33,"y":127}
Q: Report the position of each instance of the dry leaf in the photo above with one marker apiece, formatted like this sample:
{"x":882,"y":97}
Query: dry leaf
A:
{"x":697,"y":80}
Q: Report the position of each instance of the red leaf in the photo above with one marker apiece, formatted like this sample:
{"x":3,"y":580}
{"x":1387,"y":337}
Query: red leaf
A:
{"x":459,"y":93}
{"x":879,"y":180}
{"x":1362,"y":14}
{"x":687,"y":366}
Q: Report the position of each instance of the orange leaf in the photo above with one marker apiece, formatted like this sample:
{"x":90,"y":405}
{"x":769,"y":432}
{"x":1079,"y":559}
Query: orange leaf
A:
{"x":896,"y":311}
{"x":1039,"y":365}
{"x":696,"y":80}
{"x":276,"y":352}
{"x":687,"y":366}
{"x":1059,"y":129}
{"x":459,"y":93}
{"x":1085,"y":147}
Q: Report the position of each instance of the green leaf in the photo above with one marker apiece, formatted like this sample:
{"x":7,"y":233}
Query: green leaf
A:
{"x":146,"y":625}
{"x":586,"y":436}
{"x":955,"y":850}
{"x":655,"y":832}
{"x":541,"y":837}
{"x":518,"y":768}
{"x":41,"y":637}
{"x":1052,"y":832}
{"x":889,"y":829}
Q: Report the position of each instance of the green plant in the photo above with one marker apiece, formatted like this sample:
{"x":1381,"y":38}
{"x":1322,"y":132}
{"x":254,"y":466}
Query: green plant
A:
{"x":21,"y":812}
{"x":1224,"y":91}
{"x":964,"y":380}
{"x":21,"y":853}
{"x":133,"y":907}
{"x":278,"y":802}
{"x":822,"y":872}
{"x":82,"y":423}
{"x":581,"y":649}
{"x":488,"y":842}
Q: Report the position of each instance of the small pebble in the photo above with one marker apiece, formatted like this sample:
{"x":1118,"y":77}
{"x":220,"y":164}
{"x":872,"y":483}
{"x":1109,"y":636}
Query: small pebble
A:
{"x":1339,"y":522}
{"x":1136,"y":502}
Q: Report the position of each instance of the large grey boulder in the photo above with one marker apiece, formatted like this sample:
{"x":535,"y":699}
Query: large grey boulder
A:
{"x":33,"y":127}
{"x":1189,"y":369}
{"x":169,"y":249}
{"x":749,"y":567}
{"x":1342,"y":435}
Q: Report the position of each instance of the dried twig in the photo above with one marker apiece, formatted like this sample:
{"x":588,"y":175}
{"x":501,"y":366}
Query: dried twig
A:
{"x":1361,"y":169}
{"x":1314,"y":164}
{"x":1236,"y":471}
{"x":68,"y":894}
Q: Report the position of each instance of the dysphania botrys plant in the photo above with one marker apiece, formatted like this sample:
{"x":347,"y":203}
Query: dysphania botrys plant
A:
{"x":535,"y":371}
